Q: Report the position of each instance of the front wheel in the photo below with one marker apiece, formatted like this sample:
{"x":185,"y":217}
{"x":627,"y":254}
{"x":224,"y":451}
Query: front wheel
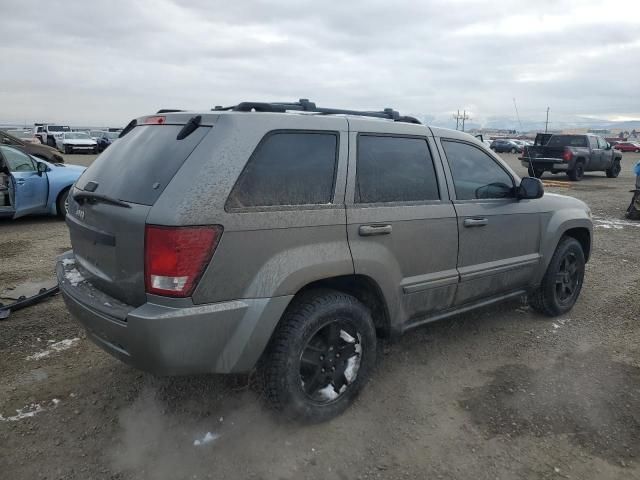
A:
{"x":513,"y":150}
{"x":562,"y":281}
{"x":320,"y":356}
{"x":614,"y":171}
{"x":62,"y":204}
{"x":535,"y":172}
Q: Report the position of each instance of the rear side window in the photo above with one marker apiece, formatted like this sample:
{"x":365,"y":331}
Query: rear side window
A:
{"x":394,"y":169}
{"x":288,"y":168}
{"x":593,"y":142}
{"x":138,"y":166}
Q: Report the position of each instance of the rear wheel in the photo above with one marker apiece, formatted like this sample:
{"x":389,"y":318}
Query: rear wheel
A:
{"x":562,"y":281}
{"x":514,"y":150}
{"x":67,"y":149}
{"x":51,"y":142}
{"x":62,"y":203}
{"x":614,"y":171}
{"x":577,"y":172}
{"x":320,"y":356}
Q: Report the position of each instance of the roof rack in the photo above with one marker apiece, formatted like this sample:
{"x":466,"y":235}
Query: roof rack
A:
{"x":304,"y":105}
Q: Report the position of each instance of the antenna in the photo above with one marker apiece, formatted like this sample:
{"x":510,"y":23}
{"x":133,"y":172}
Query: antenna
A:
{"x":515,"y":105}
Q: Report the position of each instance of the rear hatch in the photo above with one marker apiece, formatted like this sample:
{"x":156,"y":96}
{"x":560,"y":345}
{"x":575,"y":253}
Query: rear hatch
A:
{"x":110,"y":202}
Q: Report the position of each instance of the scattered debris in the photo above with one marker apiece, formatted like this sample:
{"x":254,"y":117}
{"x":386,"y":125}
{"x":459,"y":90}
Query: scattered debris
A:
{"x":25,"y":301}
{"x":55,"y":347}
{"x":74,"y":277}
{"x":208,"y":438}
{"x":24,"y":412}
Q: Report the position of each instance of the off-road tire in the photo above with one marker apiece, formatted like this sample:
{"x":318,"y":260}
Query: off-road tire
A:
{"x":61,"y":203}
{"x":279,"y":370}
{"x":577,"y":172}
{"x":615,"y":169}
{"x":545,"y":299}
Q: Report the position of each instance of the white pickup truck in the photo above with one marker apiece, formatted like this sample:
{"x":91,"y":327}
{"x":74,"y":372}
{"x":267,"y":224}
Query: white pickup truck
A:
{"x":47,"y":133}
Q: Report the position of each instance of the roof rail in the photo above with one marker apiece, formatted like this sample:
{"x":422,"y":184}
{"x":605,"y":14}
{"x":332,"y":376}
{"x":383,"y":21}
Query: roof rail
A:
{"x":304,"y":105}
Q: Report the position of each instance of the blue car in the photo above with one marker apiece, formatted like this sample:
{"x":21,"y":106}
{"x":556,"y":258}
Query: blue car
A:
{"x":29,"y":185}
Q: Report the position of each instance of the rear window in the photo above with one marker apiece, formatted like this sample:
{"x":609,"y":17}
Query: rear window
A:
{"x":567,"y":141}
{"x":288,"y":168}
{"x":138,"y":167}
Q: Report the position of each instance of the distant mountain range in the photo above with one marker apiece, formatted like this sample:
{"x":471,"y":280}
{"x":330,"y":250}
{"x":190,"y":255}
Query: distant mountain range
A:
{"x":526,"y":125}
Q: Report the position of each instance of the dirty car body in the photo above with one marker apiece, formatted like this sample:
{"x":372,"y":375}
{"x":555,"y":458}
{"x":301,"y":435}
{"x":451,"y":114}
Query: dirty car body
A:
{"x":35,"y":187}
{"x":454,"y":240}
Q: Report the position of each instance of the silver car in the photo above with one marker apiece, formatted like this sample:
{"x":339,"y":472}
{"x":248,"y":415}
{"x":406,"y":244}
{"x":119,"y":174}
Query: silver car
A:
{"x":289,"y":238}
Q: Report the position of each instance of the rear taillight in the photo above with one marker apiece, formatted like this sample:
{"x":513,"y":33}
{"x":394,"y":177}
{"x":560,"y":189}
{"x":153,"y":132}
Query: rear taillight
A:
{"x":175,"y":257}
{"x":567,"y":155}
{"x":155,"y":120}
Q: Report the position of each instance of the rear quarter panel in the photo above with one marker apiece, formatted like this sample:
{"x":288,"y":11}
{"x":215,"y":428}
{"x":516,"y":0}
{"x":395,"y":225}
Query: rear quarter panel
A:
{"x":264,"y":252}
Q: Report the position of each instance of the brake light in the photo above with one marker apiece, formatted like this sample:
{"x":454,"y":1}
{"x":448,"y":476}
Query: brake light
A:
{"x":155,"y":120}
{"x":176,"y":257}
{"x":567,"y":155}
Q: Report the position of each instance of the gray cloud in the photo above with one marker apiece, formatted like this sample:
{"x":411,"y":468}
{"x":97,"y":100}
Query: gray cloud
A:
{"x":105,"y":62}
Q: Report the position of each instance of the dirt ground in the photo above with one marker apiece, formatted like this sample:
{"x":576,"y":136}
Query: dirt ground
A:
{"x":499,"y":394}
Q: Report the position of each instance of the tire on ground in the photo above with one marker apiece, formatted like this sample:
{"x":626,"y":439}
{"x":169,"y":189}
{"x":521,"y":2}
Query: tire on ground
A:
{"x":280,"y":367}
{"x":545,"y":298}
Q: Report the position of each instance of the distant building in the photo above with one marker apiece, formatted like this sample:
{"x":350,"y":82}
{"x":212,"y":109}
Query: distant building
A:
{"x":599,"y":131}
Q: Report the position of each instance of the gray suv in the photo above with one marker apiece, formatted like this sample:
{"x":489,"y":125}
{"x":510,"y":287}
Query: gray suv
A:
{"x":290,"y":238}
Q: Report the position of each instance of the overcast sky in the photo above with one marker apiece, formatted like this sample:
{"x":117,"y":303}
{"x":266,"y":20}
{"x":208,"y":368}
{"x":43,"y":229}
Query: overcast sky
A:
{"x":105,"y":62}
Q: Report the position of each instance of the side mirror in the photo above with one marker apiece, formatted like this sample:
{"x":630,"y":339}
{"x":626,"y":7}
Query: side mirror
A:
{"x":530,"y":188}
{"x":42,"y":168}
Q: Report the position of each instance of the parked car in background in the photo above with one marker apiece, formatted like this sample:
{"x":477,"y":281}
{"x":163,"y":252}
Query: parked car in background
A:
{"x":504,"y":145}
{"x":104,"y":139}
{"x":74,"y":142}
{"x":574,"y":155}
{"x":627,"y":146}
{"x":36,"y":149}
{"x":165,"y":274}
{"x":35,"y":186}
{"x":47,"y":133}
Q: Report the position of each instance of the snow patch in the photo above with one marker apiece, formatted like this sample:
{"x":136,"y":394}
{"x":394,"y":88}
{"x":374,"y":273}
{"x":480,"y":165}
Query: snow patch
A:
{"x":614,"y":223}
{"x":55,"y":347}
{"x":353,"y":365}
{"x":25,"y":412}
{"x":346,"y":337}
{"x":208,"y":438}
{"x":328,"y":393}
{"x":68,"y":261}
{"x":74,"y":277}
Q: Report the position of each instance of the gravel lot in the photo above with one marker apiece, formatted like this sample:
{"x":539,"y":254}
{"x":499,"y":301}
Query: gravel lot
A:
{"x":500,"y":394}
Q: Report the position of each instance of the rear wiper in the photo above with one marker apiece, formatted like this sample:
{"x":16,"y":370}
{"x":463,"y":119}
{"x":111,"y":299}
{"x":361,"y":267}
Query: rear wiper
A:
{"x":97,"y":197}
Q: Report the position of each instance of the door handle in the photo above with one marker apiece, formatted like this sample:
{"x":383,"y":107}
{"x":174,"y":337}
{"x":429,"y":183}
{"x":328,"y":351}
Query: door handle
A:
{"x":475,"y":222}
{"x":20,"y":182}
{"x":371,"y":230}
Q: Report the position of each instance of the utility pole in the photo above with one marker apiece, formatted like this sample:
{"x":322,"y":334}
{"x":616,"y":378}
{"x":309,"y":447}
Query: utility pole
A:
{"x":462,"y":117}
{"x":546,"y":123}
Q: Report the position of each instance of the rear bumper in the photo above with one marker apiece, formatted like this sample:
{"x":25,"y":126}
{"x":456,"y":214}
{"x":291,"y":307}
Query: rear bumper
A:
{"x":548,"y":164}
{"x":226,"y":337}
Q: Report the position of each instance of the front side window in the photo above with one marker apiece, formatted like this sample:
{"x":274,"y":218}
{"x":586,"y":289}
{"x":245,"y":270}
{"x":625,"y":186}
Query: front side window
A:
{"x":394,"y":169}
{"x":288,"y":168}
{"x":602,"y":143}
{"x":475,"y":174}
{"x":17,"y":161}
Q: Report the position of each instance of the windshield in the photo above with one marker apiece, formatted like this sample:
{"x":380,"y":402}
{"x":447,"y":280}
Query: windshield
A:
{"x":567,"y":141}
{"x":77,"y":135}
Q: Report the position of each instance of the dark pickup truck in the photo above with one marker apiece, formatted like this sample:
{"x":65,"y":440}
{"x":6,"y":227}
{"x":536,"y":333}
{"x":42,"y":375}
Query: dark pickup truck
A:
{"x":573,"y":154}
